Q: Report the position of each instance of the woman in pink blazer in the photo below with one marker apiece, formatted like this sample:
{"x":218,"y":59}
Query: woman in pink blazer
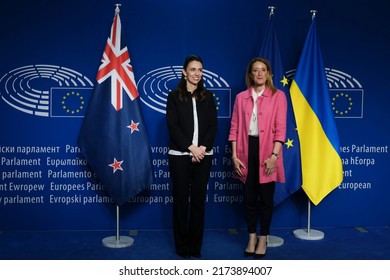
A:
{"x":257,"y":134}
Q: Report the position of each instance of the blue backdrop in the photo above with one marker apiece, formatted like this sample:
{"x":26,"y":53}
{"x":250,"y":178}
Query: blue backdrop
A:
{"x":50,"y":55}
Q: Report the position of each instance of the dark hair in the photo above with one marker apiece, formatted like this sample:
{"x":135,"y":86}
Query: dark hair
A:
{"x":200,"y":92}
{"x":248,"y":79}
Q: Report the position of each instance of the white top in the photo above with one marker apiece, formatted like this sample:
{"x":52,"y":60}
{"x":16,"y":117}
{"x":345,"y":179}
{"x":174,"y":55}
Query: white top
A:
{"x":253,"y":126}
{"x":196,"y":129}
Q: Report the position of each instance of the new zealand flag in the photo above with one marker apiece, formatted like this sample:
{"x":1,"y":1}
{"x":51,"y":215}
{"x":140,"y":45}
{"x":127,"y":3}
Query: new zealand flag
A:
{"x":113,"y":136}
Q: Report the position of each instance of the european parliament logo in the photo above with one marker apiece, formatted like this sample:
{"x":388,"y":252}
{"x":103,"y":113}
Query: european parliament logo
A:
{"x":46,"y":91}
{"x":346,"y":93}
{"x":154,"y":87}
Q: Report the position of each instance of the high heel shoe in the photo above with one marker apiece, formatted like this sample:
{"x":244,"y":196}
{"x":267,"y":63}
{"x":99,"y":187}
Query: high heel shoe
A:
{"x":251,"y":254}
{"x":259,"y":256}
{"x":248,"y":254}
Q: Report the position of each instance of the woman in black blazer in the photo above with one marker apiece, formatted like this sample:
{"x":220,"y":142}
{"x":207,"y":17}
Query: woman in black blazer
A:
{"x":192,"y":125}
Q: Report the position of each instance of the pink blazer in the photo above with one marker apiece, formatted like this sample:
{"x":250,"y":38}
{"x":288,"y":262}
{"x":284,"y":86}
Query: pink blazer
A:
{"x":271,"y":115}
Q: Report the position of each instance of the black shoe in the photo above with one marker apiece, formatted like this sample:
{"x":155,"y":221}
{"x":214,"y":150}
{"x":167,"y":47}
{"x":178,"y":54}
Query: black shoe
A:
{"x":258,"y":256}
{"x":248,"y":254}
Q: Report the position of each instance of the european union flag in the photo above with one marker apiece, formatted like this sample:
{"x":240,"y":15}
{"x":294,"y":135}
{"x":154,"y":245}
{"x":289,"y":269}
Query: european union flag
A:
{"x":291,"y":157}
{"x":69,"y":102}
{"x":322,"y":169}
{"x":113,"y":136}
{"x":222,"y":101}
{"x":347,"y":103}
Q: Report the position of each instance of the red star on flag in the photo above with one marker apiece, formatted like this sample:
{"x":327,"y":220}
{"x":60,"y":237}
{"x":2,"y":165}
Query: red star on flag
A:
{"x":116,"y":165}
{"x":133,"y":126}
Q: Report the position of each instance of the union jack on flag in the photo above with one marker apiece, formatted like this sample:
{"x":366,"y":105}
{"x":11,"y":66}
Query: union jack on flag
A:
{"x":116,"y":65}
{"x":114,"y":141}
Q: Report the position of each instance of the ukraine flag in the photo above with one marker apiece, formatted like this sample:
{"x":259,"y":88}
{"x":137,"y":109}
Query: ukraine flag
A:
{"x":322,"y":169}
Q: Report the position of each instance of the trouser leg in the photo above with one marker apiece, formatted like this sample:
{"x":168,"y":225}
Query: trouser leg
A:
{"x":266,"y":206}
{"x":251,"y":186}
{"x":180,"y":171}
{"x":198,"y":189}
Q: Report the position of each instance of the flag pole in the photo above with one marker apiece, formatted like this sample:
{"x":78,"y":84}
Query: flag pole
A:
{"x":271,"y":12}
{"x":308,"y":233}
{"x":117,"y":241}
{"x":272,"y":240}
{"x":117,"y":10}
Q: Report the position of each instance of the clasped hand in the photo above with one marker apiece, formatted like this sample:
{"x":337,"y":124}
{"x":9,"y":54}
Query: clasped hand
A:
{"x":198,"y":153}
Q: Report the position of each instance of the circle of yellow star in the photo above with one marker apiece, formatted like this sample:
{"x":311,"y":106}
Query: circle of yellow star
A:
{"x":69,"y":95}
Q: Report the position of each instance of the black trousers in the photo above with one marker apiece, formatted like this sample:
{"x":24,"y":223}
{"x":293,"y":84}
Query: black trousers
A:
{"x":189,"y":187}
{"x":258,"y":198}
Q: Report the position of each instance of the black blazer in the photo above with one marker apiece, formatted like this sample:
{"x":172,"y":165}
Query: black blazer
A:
{"x":180,"y":121}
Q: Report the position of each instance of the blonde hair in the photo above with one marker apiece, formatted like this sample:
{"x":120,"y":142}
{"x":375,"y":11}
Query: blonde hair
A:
{"x":248,"y":79}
